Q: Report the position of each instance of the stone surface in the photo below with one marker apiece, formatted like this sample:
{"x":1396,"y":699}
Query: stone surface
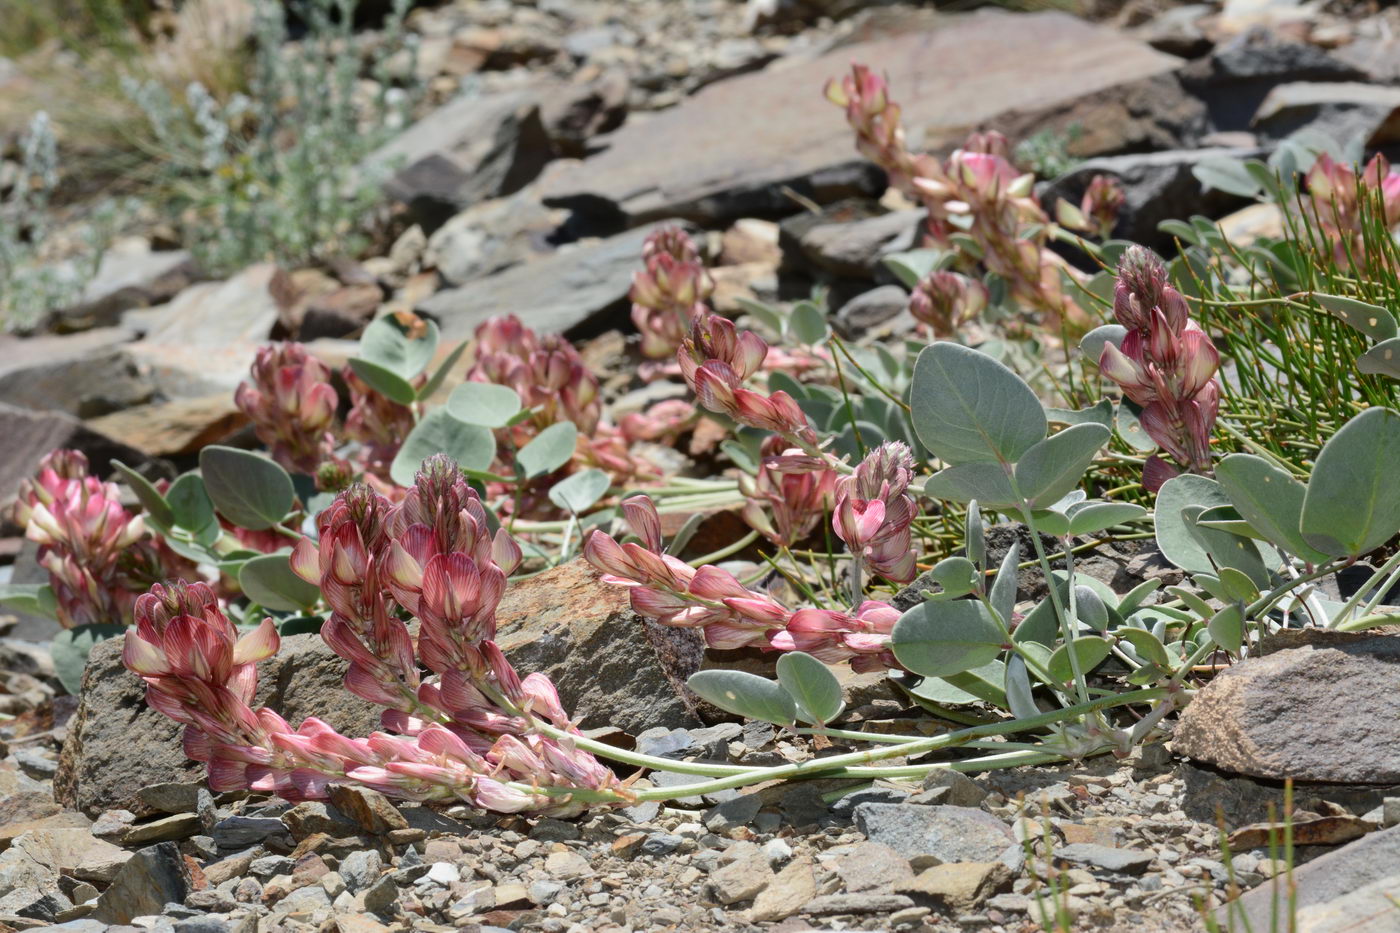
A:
{"x":130,"y":275}
{"x":742,"y":879}
{"x":369,"y":808}
{"x":29,"y":435}
{"x":569,"y":292}
{"x":1325,"y":880}
{"x":153,"y":877}
{"x":855,"y":248}
{"x":489,"y":237}
{"x":948,"y":834}
{"x":471,"y":149}
{"x":728,"y":150}
{"x":611,"y":667}
{"x":1109,"y":858}
{"x":1159,"y":186}
{"x":869,"y":309}
{"x":956,"y":885}
{"x":872,"y":866}
{"x":1340,"y":109}
{"x":177,"y":428}
{"x":1292,"y":714}
{"x":1374,"y":906}
{"x":82,"y":374}
{"x":102,"y":768}
{"x":215,"y":314}
{"x":784,"y":896}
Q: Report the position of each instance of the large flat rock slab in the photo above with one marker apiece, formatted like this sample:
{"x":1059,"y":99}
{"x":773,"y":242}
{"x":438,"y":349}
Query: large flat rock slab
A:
{"x":737,"y":142}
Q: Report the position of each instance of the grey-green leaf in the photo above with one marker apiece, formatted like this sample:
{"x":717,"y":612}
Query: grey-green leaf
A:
{"x":1352,"y":505}
{"x":812,"y":686}
{"x":471,"y":445}
{"x":1003,"y":594}
{"x":578,"y":492}
{"x":1269,"y":499}
{"x":389,"y":344}
{"x":985,"y":482}
{"x":248,"y":489}
{"x":551,"y":448}
{"x":746,"y":695}
{"x":1174,"y":536}
{"x":483,"y":403}
{"x":70,"y":650}
{"x":941,"y":638}
{"x":1097,"y":516}
{"x":1372,"y":320}
{"x":969,"y":408}
{"x":270,"y":582}
{"x":1056,"y":464}
{"x":1381,"y":360}
{"x":150,"y":498}
{"x":190,"y":503}
{"x":385,"y":381}
{"x":1089,"y":650}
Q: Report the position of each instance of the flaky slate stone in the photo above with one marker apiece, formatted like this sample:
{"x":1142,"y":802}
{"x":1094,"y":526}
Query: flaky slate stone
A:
{"x":1310,"y":713}
{"x":728,"y":150}
{"x":116,"y":745}
{"x":948,"y":834}
{"x":29,"y":435}
{"x":570,"y":292}
{"x":155,"y":876}
{"x":611,"y":666}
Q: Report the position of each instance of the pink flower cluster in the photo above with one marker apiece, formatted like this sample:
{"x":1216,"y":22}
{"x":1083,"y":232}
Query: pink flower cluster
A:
{"x":1166,"y":364}
{"x":1098,"y":210}
{"x":715,"y":360}
{"x":976,"y":191}
{"x":946,"y":300}
{"x":96,"y":552}
{"x":470,"y":732}
{"x":292,"y":403}
{"x":670,"y":291}
{"x":732,"y":616}
{"x":874,"y":512}
{"x":1336,"y":195}
{"x":545,"y":371}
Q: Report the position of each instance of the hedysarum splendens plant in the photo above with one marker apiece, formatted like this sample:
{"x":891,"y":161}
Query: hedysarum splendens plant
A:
{"x":96,"y":552}
{"x":292,"y":405}
{"x":669,"y":292}
{"x":976,"y":191}
{"x":472,"y":730}
{"x":1166,"y":364}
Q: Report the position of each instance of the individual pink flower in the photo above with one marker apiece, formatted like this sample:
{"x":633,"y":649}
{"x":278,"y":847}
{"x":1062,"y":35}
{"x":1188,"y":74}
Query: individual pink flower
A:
{"x":783,"y":504}
{"x":874,"y":512}
{"x":1166,"y":364}
{"x":292,"y":405}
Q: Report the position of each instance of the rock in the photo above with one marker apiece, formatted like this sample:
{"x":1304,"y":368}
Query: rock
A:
{"x":369,"y":808}
{"x":611,"y":666}
{"x":177,"y":428}
{"x":1236,"y":77}
{"x":470,"y":149}
{"x":1325,"y":880}
{"x":30,"y":810}
{"x":730,"y":149}
{"x":872,"y":867}
{"x":102,"y":768}
{"x":82,"y":374}
{"x":567,"y":866}
{"x":954,"y":788}
{"x":949,"y":834}
{"x":178,"y":826}
{"x":380,"y":897}
{"x":1158,"y":186}
{"x":1342,"y":110}
{"x":1109,"y":858}
{"x":576,"y":112}
{"x":733,"y":813}
{"x":834,"y":904}
{"x":360,"y":869}
{"x":34,"y":903}
{"x":1248,"y":225}
{"x":235,"y":832}
{"x":216,"y":314}
{"x":956,"y":885}
{"x":785,"y":895}
{"x":1292,"y":714}
{"x":153,"y":877}
{"x":569,"y":292}
{"x":742,"y":879}
{"x":1371,"y":906}
{"x":853,"y":248}
{"x":750,"y":240}
{"x":1177,"y":30}
{"x":29,"y":435}
{"x":491,"y":236}
{"x":130,"y":275}
{"x":1376,"y":57}
{"x":869,"y":309}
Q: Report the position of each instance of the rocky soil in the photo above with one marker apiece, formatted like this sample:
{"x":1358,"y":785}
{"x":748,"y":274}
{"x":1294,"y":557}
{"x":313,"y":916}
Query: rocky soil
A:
{"x":605,"y":117}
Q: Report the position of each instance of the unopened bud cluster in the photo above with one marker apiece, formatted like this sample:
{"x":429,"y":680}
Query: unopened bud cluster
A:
{"x":669,"y":292}
{"x":874,"y":512}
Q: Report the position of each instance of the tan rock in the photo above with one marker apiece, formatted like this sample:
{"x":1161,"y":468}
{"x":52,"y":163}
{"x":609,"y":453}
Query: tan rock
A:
{"x":371,"y":809}
{"x":793,"y":887}
{"x":956,"y":884}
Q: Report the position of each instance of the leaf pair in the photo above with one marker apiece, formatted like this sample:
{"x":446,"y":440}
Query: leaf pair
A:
{"x":806,"y":690}
{"x":394,"y":350}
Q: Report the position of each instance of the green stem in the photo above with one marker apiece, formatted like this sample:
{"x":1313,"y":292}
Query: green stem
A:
{"x":1376,"y":579}
{"x":724,"y":552}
